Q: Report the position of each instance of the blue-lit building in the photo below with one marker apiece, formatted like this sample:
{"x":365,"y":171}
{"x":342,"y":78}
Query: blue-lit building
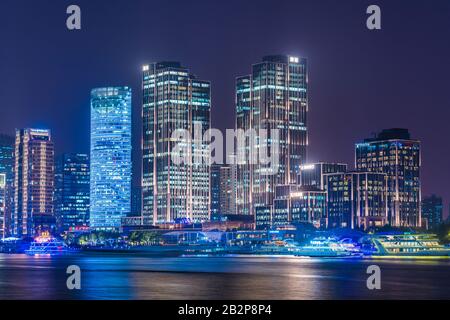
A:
{"x":174,"y":100}
{"x":273,"y":96}
{"x":432,"y":211}
{"x":110,"y":176}
{"x":394,"y":153}
{"x":136,"y":201}
{"x":6,"y":169}
{"x":72,"y":191}
{"x":2,"y":205}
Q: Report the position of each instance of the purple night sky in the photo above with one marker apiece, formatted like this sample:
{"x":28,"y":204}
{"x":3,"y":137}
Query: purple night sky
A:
{"x":360,"y":81}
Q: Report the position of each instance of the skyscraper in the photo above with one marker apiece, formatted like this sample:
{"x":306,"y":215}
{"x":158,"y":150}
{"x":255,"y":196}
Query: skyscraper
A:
{"x":173,"y":100}
{"x":33,"y":183}
{"x":6,"y":168}
{"x":110,"y":178}
{"x":395,"y":154}
{"x":2,"y":205}
{"x":72,"y":191}
{"x":432,"y":211}
{"x":273,"y":96}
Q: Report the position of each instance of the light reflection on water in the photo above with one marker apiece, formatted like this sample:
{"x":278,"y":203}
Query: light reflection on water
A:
{"x":140,"y":277}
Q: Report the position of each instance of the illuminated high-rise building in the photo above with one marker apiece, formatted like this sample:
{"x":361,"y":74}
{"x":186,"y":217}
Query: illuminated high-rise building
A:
{"x":273,"y":96}
{"x":110,"y":176}
{"x":33,"y":183}
{"x":432,"y":211}
{"x":174,"y":100}
{"x":314,"y":174}
{"x":72,"y":191}
{"x":2,"y":205}
{"x":215,"y":190}
{"x":356,"y":200}
{"x":228,"y":189}
{"x":6,"y":169}
{"x":395,"y":154}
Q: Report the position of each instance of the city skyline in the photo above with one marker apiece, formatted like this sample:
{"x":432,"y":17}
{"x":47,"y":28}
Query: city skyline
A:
{"x":334,"y":85}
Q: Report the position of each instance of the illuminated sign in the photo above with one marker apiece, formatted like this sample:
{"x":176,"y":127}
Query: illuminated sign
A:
{"x":308,"y":167}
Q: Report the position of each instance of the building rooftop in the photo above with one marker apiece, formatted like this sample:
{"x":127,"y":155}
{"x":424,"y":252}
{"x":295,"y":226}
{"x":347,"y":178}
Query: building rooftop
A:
{"x":391,"y":134}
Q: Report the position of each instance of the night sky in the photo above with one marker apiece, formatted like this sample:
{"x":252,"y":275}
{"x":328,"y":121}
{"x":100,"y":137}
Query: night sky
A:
{"x":360,"y":81}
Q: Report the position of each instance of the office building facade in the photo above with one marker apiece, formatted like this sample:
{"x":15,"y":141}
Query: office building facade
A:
{"x":174,"y":100}
{"x":273,"y":96}
{"x":6,"y":169}
{"x":314,"y":174}
{"x":214,"y":183}
{"x":110,"y":172}
{"x":356,"y":200}
{"x":33,"y":210}
{"x":228,"y":189}
{"x":394,"y":153}
{"x":432,"y":212}
{"x":72,"y":192}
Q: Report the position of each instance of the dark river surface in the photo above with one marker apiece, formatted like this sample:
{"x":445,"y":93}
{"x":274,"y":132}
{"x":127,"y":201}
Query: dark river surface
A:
{"x":128,"y":276}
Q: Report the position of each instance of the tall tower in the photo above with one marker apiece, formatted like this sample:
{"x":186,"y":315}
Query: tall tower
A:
{"x":273,"y":96}
{"x":395,"y":154}
{"x":33,"y":183}
{"x":110,"y":178}
{"x":173,"y":99}
{"x":6,"y":169}
{"x":72,"y":191}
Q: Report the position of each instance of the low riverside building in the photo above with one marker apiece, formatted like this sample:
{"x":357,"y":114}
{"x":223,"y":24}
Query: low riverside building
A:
{"x":293,"y":205}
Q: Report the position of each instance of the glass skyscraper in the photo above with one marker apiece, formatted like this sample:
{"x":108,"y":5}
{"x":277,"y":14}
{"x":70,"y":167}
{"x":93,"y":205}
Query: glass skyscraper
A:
{"x":110,"y":177}
{"x":273,"y":96}
{"x":173,"y":99}
{"x":72,"y":191}
{"x":6,"y":169}
{"x":33,"y":183}
{"x":2,"y":205}
{"x":395,"y":154}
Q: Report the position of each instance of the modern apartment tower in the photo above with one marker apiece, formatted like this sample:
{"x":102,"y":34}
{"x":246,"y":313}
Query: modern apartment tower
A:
{"x":33,"y":183}
{"x":273,"y":96}
{"x":174,"y":101}
{"x":110,"y":176}
{"x":72,"y":191}
{"x":395,"y":154}
{"x":6,"y":169}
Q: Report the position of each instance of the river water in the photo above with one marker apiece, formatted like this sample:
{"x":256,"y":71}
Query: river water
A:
{"x":128,"y":276}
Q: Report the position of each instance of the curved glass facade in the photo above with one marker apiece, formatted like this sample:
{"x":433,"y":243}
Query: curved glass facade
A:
{"x":110,"y":157}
